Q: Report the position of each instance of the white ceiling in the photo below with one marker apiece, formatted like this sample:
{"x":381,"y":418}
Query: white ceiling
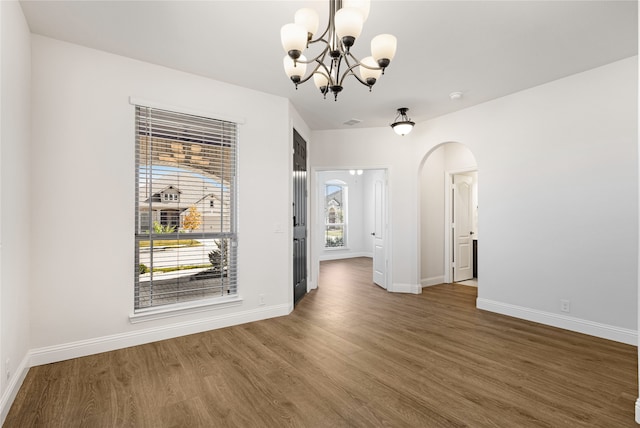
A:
{"x":485,"y":49}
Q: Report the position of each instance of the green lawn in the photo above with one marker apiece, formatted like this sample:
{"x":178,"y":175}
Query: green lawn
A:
{"x":171,"y":243}
{"x":175,"y":268}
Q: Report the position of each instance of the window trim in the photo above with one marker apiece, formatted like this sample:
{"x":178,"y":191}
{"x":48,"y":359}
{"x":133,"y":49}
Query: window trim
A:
{"x":135,"y":101}
{"x":183,"y":308}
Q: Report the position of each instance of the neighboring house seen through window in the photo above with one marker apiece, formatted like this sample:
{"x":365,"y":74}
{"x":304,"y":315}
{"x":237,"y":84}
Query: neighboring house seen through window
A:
{"x":335,"y":228}
{"x":185,"y":237}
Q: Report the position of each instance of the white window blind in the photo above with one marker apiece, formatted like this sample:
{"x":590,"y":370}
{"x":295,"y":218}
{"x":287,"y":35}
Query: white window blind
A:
{"x":185,"y":236}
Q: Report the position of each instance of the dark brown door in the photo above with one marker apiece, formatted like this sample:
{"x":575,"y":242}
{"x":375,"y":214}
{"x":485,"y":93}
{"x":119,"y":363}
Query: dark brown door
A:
{"x":299,"y":217}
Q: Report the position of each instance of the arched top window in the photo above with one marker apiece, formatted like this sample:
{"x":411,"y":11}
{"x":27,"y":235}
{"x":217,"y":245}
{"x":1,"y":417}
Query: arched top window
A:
{"x":335,"y":208}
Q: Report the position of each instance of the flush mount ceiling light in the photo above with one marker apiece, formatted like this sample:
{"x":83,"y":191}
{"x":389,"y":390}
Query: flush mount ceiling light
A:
{"x":404,"y":125}
{"x":335,"y":60}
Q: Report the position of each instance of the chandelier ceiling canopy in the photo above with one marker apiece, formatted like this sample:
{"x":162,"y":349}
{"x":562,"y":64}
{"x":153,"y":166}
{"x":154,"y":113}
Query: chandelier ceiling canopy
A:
{"x":335,"y":61}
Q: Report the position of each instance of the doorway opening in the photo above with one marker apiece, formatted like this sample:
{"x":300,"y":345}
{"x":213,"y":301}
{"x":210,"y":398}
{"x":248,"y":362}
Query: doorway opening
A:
{"x":350,"y":220}
{"x":449,"y":216}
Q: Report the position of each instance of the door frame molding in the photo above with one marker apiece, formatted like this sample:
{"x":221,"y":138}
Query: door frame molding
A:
{"x":448,"y":202}
{"x":314,"y":226}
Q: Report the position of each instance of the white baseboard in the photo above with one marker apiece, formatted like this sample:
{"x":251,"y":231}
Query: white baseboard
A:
{"x":12,"y":389}
{"x":337,"y":255}
{"x":82,"y":348}
{"x":579,"y":325}
{"x":434,"y":280}
{"x":405,"y":288}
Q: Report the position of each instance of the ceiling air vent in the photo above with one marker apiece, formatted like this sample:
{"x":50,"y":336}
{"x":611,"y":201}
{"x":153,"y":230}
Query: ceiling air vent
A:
{"x":352,"y":122}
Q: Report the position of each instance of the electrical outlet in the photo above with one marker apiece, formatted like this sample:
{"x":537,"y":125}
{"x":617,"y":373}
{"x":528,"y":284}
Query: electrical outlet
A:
{"x":565,"y":305}
{"x":261,"y":300}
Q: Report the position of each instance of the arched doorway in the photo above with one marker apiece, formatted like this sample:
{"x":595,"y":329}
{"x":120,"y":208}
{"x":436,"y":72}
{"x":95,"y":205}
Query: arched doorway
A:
{"x":448,"y":183}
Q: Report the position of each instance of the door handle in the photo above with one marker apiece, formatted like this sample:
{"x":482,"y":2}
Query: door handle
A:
{"x":373,"y":234}
{"x":471,"y":233}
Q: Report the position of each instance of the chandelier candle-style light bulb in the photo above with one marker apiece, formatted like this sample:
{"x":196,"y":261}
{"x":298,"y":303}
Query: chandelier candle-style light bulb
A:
{"x":349,"y":25}
{"x":295,"y":69}
{"x":335,"y":60}
{"x":294,"y":39}
{"x":308,"y":18}
{"x":363,"y":5}
{"x":321,"y":80}
{"x":369,"y":71}
{"x":383,"y":48}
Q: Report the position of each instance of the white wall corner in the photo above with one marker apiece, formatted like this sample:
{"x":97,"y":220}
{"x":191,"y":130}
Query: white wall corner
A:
{"x":311,"y":285}
{"x":638,"y":411}
{"x":434,"y":280}
{"x":405,"y":288}
{"x":604,"y":331}
{"x":12,"y":389}
{"x":82,"y":348}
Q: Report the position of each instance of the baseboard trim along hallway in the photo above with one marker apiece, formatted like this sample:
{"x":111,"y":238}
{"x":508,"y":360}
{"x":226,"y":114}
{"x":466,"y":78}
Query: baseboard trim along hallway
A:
{"x":604,"y":331}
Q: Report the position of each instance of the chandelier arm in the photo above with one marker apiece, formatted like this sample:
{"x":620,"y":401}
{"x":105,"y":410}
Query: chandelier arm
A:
{"x":362,"y":64}
{"x":322,"y":36}
{"x":312,"y":73}
{"x":330,"y":25}
{"x":323,"y":65}
{"x":321,"y":54}
{"x":350,"y":69}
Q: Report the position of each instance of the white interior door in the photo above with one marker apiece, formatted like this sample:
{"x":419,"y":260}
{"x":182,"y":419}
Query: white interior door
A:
{"x":379,"y":252}
{"x":462,"y":228}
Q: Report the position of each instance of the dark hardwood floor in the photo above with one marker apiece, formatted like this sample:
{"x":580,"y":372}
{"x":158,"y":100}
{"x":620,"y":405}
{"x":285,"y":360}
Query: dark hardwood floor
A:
{"x":350,"y":354}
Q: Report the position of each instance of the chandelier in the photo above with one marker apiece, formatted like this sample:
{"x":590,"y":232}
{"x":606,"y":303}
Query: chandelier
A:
{"x":335,"y":61}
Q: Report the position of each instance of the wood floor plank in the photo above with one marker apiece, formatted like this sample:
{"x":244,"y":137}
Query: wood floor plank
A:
{"x":350,"y":355}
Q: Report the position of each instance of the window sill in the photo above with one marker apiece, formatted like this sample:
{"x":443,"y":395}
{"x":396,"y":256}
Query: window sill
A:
{"x":186,"y":308}
{"x":336,"y":248}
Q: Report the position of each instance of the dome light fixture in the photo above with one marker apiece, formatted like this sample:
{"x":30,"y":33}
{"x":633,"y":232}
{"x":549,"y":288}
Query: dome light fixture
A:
{"x":404,"y":125}
{"x":335,"y":60}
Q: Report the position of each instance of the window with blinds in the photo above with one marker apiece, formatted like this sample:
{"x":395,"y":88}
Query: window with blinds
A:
{"x":185,"y":236}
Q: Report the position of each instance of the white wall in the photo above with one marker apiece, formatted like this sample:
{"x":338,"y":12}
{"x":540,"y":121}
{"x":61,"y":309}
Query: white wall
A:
{"x":82,"y":238}
{"x":15,"y":261}
{"x":474,"y":203}
{"x":432,"y":219}
{"x":558,"y":188}
{"x":559,"y":191}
